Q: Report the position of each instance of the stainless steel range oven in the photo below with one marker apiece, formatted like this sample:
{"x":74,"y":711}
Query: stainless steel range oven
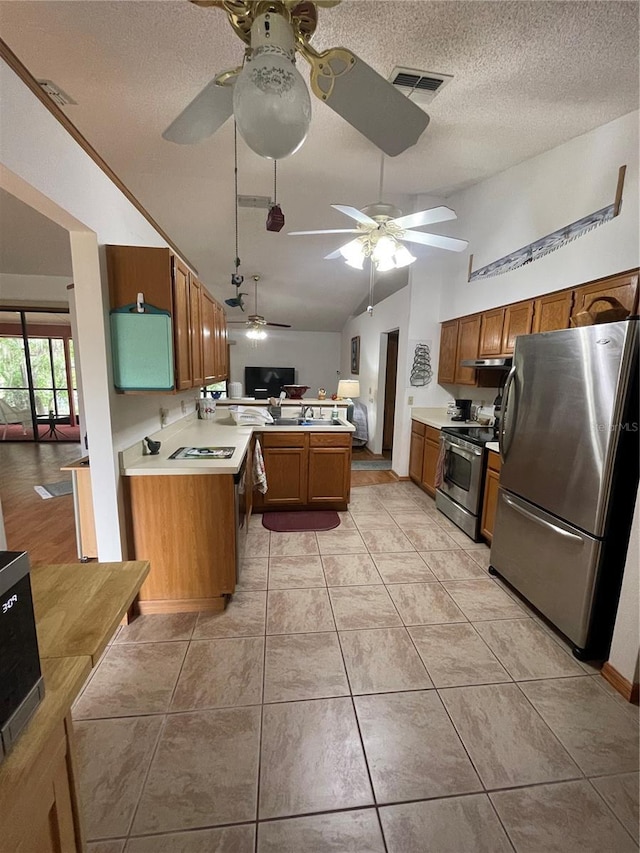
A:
{"x":459,"y":496}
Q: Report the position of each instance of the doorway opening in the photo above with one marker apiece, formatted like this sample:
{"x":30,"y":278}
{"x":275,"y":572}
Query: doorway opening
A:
{"x":390,"y":382}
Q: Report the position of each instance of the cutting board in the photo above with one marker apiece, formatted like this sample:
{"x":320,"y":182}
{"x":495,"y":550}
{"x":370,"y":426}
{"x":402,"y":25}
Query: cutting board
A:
{"x":142,"y":349}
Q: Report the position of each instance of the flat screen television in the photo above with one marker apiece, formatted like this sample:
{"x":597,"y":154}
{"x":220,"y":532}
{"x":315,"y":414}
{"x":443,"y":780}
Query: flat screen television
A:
{"x":264,"y":382}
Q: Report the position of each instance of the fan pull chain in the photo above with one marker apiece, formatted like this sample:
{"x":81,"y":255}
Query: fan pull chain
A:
{"x":372,"y":272}
{"x":235,"y":183}
{"x":275,"y":181}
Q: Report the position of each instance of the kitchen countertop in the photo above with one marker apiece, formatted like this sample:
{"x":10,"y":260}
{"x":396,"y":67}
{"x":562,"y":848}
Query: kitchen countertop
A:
{"x":437,"y":418}
{"x":493,"y":445}
{"x":251,"y":401}
{"x":191,"y":432}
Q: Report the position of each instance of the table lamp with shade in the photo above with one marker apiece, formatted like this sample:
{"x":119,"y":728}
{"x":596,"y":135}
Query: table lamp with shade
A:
{"x":348,"y":388}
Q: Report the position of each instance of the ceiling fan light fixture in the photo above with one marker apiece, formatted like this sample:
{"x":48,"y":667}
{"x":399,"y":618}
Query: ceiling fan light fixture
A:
{"x":403,"y":257}
{"x":353,"y":253}
{"x":256,"y":334}
{"x":384,"y":250}
{"x":271,"y":102}
{"x":385,"y":264}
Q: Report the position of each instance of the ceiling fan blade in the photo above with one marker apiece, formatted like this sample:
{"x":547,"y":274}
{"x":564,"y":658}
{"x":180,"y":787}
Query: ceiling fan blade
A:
{"x":365,"y":99}
{"x":450,"y":243}
{"x":338,"y":252}
{"x":280,"y":325}
{"x":425,"y":217}
{"x":207,"y":112}
{"x":327,"y":231}
{"x":354,"y":213}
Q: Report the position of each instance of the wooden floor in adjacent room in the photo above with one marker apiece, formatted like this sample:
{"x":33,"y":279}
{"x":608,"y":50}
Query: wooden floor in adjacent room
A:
{"x":43,"y":528}
{"x":370,"y":478}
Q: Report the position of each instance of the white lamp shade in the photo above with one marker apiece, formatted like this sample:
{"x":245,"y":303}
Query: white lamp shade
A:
{"x":348,"y":388}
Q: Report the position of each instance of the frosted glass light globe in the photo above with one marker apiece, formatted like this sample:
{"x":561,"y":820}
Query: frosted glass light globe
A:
{"x":385,"y":249}
{"x":403,"y":257}
{"x":271,"y":104}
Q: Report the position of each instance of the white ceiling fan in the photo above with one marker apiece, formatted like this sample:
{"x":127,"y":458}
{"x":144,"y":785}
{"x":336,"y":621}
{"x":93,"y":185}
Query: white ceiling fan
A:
{"x":382,"y":230}
{"x":255,"y":322}
{"x":269,"y":99}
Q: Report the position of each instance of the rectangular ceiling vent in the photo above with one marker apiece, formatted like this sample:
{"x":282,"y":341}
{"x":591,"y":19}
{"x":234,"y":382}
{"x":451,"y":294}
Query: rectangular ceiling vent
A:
{"x":255,"y":201}
{"x":420,"y":86}
{"x":56,"y":93}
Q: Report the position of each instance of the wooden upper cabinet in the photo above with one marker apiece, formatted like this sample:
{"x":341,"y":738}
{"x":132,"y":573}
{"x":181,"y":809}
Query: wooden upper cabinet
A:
{"x":195,"y":331}
{"x":552,"y":312}
{"x":181,"y":335}
{"x":623,"y":287}
{"x":491,"y":333}
{"x":139,"y":269}
{"x":209,"y":308}
{"x":468,"y":340}
{"x":448,"y":349}
{"x":518,"y":319}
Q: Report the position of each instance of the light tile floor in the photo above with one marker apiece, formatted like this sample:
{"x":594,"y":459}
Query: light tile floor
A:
{"x":368,"y":689}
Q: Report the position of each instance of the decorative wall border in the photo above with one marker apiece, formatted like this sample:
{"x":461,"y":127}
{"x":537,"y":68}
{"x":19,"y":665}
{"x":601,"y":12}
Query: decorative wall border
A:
{"x":555,"y":240}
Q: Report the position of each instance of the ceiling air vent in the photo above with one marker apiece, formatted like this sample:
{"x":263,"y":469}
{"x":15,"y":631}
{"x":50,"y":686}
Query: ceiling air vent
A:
{"x":56,"y":93}
{"x":255,"y":201}
{"x":420,"y":86}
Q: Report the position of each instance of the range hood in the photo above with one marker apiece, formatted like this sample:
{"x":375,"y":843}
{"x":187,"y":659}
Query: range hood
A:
{"x":503,"y":363}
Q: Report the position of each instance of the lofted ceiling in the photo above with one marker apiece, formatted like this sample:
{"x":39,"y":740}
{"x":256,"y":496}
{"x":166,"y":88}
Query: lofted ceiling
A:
{"x":31,"y":244}
{"x":527,"y":76}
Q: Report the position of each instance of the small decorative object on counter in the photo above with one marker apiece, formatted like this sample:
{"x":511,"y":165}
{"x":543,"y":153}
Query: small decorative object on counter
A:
{"x":154,"y":446}
{"x":335,"y":416}
{"x":206,"y":409}
{"x":235,"y":390}
{"x":295,"y":392}
{"x":322,"y":394}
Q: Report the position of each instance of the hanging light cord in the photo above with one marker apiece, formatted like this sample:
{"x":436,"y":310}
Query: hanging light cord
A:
{"x":275,"y":182}
{"x":235,"y":183}
{"x":372,"y":272}
{"x":381,"y":177}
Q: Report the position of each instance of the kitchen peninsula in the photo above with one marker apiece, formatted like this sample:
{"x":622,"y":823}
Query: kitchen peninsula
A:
{"x":190,"y":517}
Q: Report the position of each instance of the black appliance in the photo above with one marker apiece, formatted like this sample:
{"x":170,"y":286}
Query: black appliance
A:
{"x":463,"y":408}
{"x":21,"y":684}
{"x":265,"y":382}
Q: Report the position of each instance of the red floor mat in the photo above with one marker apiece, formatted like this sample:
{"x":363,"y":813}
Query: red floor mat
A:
{"x":298,"y":522}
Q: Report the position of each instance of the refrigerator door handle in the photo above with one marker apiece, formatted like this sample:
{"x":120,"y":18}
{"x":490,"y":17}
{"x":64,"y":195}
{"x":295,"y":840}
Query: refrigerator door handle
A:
{"x":503,"y":417}
{"x":540,"y":521}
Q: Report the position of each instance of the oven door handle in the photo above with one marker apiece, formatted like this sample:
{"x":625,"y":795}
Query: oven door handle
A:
{"x":469,"y":455}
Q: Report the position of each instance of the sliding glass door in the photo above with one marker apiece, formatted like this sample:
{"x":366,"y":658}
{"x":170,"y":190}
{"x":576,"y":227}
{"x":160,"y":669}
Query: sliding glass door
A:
{"x":38,"y":397}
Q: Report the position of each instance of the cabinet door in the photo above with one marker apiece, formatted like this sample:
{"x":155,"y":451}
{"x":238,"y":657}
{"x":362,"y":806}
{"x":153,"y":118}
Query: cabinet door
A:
{"x":448,"y":347}
{"x":181,"y":336}
{"x":415,"y":457}
{"x":552,"y":312}
{"x":139,"y":269}
{"x":286,"y":469}
{"x":208,"y":338}
{"x":468,"y":339}
{"x":329,"y":475}
{"x":195,"y":331}
{"x":491,"y":333}
{"x":429,"y":464}
{"x":624,"y":288}
{"x":490,"y":504}
{"x":518,"y":319}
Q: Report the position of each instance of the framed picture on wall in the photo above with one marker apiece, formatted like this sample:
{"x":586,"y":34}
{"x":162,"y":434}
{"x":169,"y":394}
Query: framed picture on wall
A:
{"x":355,"y":355}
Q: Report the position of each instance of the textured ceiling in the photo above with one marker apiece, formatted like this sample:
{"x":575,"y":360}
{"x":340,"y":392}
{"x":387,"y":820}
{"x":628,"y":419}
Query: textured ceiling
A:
{"x":527,"y":77}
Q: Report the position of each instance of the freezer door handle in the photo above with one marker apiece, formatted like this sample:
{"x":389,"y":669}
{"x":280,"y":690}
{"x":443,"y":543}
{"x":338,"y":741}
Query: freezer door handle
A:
{"x":503,"y":416}
{"x":541,"y":521}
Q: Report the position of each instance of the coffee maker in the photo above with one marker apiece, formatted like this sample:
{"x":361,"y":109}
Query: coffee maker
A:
{"x":463,"y":410}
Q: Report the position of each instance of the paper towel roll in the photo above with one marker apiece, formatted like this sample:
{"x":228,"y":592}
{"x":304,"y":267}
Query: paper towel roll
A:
{"x":234,"y":389}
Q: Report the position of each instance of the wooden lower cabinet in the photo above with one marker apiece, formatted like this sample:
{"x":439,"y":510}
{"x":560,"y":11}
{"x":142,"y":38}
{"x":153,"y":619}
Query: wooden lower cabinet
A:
{"x":305,"y":470}
{"x":185,"y":525}
{"x":423,"y":457}
{"x":490,"y":501}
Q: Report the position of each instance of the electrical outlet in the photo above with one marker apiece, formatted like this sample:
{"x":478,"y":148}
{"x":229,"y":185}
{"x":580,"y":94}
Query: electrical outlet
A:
{"x":164,"y":414}
{"x":410,"y":401}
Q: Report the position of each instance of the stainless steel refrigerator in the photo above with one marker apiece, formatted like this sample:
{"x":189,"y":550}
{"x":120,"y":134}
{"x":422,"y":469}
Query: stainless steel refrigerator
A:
{"x":569,"y":478}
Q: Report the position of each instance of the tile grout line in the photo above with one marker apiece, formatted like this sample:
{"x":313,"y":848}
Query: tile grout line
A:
{"x":589,"y":781}
{"x":262,"y":707}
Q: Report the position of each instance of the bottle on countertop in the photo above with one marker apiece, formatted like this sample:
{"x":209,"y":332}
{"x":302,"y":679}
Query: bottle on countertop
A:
{"x":335,"y":416}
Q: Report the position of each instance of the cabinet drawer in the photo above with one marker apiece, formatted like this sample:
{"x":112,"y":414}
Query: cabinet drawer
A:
{"x":284,"y":439}
{"x":324,"y":439}
{"x":494,"y":463}
{"x":432,"y":434}
{"x":417,"y":427}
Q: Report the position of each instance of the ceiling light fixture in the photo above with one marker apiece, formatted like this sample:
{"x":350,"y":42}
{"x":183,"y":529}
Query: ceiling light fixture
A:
{"x":271,"y":102}
{"x":256,"y":334}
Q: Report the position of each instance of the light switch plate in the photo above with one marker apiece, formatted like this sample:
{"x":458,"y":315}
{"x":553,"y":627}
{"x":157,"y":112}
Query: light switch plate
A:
{"x":410,"y":401}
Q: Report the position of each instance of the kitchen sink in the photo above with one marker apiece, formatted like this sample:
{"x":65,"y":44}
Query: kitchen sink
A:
{"x":304,"y":422}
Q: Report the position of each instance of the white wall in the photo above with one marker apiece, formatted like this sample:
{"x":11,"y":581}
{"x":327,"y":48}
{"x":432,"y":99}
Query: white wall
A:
{"x":34,"y":288}
{"x":390,"y":314}
{"x":41,"y":164}
{"x":315,"y":355}
{"x":533,"y":199}
{"x":625,"y":645}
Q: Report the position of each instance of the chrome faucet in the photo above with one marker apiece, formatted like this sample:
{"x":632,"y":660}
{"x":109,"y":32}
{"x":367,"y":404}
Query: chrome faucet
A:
{"x":304,"y":410}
